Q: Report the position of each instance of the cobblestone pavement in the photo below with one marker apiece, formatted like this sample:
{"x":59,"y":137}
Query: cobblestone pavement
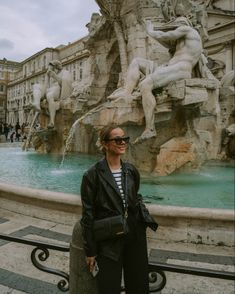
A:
{"x":18,"y":275}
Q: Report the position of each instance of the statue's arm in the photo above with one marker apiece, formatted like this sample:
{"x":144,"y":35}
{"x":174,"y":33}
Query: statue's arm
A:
{"x":55,"y":77}
{"x":168,"y":36}
{"x":174,"y":35}
{"x":151,"y":32}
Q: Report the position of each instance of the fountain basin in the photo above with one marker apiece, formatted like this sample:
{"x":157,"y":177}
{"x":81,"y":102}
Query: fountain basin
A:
{"x":176,"y":224}
{"x":210,"y":187}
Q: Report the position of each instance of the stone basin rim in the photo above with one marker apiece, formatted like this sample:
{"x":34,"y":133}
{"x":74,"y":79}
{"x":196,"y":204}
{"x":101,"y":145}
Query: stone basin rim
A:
{"x":63,"y":201}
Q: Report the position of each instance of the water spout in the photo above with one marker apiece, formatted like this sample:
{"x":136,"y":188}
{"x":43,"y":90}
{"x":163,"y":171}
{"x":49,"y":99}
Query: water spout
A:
{"x":69,"y":142}
{"x":27,"y":142}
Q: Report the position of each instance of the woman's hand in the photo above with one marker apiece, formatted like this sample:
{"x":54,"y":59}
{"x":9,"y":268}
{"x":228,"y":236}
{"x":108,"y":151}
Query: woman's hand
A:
{"x":90,"y":260}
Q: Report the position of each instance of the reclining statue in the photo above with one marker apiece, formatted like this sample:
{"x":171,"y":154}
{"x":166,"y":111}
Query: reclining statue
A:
{"x":187,"y":50}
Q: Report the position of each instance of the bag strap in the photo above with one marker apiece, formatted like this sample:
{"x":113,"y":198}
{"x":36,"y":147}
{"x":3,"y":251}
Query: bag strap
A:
{"x":125,"y":192}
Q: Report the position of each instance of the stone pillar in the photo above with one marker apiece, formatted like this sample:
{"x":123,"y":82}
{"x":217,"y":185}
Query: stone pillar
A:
{"x":81,"y":280}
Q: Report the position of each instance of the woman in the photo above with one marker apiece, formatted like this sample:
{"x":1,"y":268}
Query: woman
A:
{"x":109,"y":188}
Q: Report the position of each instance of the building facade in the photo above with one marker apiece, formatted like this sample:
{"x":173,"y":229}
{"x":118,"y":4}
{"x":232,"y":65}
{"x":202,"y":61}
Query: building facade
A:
{"x":220,"y":45}
{"x":7,"y":70}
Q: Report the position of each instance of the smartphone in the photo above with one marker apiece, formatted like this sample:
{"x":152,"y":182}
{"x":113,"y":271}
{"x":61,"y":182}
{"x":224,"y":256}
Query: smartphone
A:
{"x":95,"y":269}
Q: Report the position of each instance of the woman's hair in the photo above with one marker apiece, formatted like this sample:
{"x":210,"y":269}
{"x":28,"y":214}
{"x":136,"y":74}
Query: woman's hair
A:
{"x":104,"y":135}
{"x":105,"y":132}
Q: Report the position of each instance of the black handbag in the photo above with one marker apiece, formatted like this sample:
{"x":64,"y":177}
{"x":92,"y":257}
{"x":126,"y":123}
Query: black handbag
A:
{"x":109,"y":228}
{"x":114,"y":226}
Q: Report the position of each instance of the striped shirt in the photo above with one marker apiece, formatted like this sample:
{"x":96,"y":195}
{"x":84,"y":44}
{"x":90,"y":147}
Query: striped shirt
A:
{"x":117,"y":174}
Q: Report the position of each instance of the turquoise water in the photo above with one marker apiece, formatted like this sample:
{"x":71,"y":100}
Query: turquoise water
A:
{"x":212,"y":186}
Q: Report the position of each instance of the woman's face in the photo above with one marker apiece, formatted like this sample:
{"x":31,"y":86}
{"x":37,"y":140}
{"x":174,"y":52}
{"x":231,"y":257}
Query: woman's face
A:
{"x":117,"y":142}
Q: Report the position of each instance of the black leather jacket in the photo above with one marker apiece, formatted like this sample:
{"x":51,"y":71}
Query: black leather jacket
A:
{"x":101,"y":198}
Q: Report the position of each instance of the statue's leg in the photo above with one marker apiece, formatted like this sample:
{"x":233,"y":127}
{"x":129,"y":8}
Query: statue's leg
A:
{"x":149,"y":104}
{"x":52,"y":111}
{"x":53,"y":103}
{"x":37,"y":96}
{"x":133,"y":75}
{"x":160,"y":77}
{"x":132,"y":79}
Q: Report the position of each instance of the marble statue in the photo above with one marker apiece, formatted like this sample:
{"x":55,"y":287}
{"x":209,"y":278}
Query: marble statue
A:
{"x":59,"y":87}
{"x":95,"y":24}
{"x":186,"y":45}
{"x":38,"y":94}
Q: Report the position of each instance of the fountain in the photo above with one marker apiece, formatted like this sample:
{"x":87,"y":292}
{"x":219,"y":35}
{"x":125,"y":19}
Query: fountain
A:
{"x":179,"y":124}
{"x":186,"y":132}
{"x":179,"y":127}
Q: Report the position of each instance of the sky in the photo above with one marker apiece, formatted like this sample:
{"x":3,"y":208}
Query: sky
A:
{"x":28,"y":26}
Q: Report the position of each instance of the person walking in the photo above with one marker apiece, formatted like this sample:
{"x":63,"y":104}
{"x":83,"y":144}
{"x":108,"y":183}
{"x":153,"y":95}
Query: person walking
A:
{"x":12,"y":136}
{"x":110,"y":188}
{"x":1,"y":128}
{"x":6,"y":131}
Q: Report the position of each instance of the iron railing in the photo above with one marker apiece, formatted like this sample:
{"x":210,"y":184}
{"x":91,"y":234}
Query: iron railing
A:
{"x":41,"y":253}
{"x":157,"y":277}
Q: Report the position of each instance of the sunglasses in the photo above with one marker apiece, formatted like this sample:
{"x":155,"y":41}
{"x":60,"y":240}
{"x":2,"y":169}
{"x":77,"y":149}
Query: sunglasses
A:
{"x":119,"y":140}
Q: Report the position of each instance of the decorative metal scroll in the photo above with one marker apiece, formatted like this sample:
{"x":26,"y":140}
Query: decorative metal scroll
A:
{"x":42,"y":253}
{"x":157,"y":281}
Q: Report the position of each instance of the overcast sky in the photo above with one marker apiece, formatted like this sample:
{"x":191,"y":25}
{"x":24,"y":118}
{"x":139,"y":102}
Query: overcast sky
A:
{"x":28,"y":26}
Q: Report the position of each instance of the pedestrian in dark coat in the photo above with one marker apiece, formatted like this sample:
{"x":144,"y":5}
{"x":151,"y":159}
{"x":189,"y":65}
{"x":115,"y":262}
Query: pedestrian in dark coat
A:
{"x":6,"y":130}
